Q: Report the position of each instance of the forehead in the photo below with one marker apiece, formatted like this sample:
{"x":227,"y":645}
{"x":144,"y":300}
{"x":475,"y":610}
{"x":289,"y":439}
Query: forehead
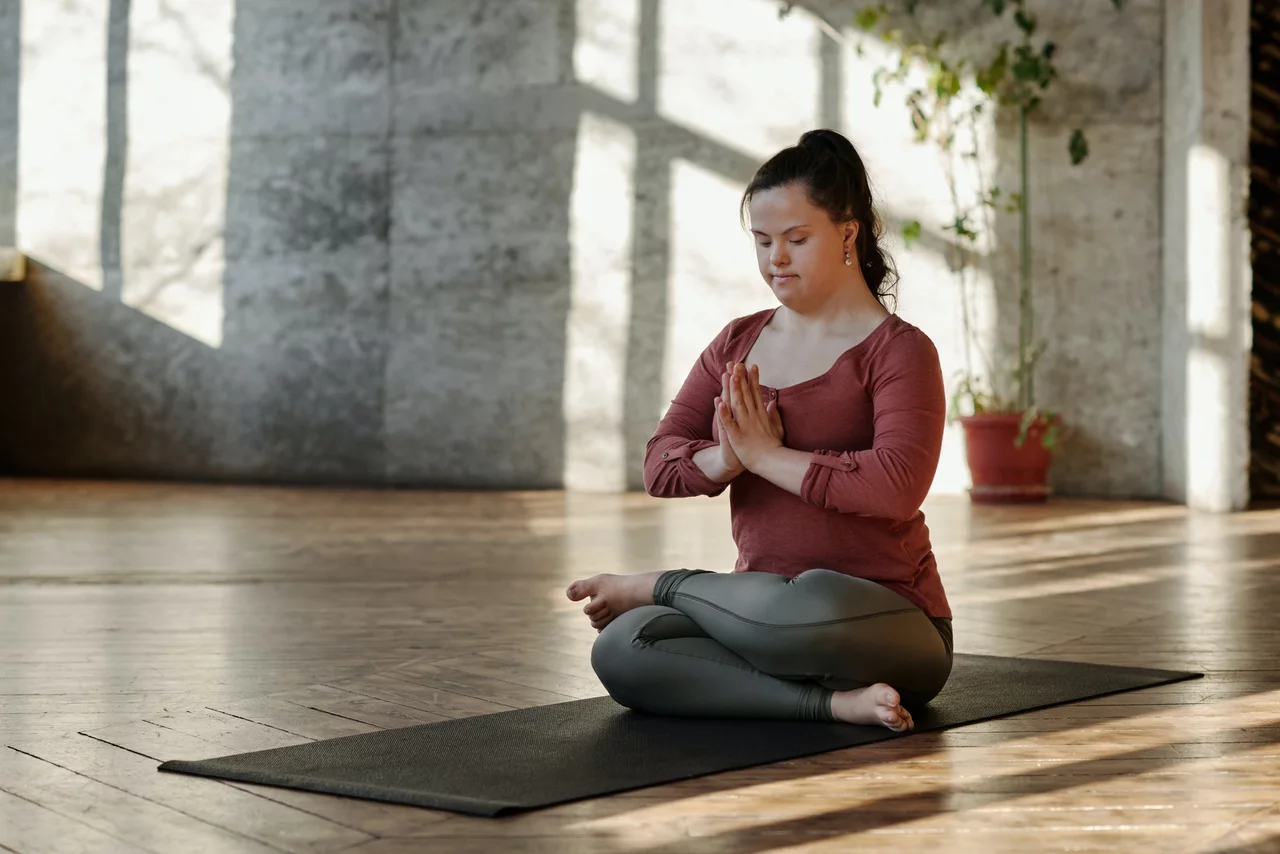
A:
{"x":782,"y":207}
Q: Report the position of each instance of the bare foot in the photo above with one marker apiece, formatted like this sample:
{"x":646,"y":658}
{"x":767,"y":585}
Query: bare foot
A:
{"x":612,"y":595}
{"x":875,"y":704}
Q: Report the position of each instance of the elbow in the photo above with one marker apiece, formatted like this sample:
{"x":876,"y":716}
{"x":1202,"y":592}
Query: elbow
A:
{"x":906,"y":506}
{"x":903,"y":513}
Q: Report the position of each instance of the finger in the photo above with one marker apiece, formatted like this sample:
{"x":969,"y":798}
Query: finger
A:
{"x":727,"y":424}
{"x":737,"y":405}
{"x":751,"y":392}
{"x":755,"y":382}
{"x":746,"y":399}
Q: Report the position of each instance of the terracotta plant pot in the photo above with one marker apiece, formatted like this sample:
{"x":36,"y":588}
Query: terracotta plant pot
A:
{"x":1002,"y":472}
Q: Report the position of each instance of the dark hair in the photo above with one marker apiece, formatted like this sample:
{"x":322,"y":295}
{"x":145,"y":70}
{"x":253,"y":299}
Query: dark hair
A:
{"x":834,"y":179}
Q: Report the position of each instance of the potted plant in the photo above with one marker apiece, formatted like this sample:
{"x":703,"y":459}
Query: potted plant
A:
{"x":1009,"y":437}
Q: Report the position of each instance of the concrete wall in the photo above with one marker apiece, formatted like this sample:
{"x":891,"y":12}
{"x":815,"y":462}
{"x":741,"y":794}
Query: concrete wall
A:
{"x":465,"y":243}
{"x":1207,"y":329}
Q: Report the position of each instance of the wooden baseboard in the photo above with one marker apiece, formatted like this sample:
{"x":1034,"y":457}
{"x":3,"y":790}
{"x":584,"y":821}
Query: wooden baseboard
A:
{"x":13,"y":265}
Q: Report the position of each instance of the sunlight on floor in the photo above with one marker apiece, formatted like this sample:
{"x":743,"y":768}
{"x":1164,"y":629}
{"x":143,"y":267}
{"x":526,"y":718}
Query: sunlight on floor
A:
{"x":1136,"y":768}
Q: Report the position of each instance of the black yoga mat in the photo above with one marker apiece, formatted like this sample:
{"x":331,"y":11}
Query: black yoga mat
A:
{"x":526,"y":758}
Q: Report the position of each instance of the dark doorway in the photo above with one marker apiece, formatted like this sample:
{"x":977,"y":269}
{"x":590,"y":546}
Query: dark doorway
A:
{"x":1264,"y":224}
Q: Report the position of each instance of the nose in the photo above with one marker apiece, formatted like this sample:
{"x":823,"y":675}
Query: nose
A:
{"x":778,"y":257}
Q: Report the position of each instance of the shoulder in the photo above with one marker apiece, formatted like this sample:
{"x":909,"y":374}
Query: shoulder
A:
{"x":904,"y":340}
{"x":902,"y":351}
{"x":740,"y":330}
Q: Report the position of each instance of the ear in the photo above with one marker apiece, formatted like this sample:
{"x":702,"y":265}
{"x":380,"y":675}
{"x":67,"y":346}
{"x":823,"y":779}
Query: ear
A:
{"x":851,"y":233}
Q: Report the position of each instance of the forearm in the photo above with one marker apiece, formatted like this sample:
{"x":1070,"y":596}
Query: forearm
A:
{"x":711,"y":463}
{"x":783,"y":467}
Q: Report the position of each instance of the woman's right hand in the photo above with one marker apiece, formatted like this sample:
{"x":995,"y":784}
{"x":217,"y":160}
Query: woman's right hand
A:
{"x":728,"y":457}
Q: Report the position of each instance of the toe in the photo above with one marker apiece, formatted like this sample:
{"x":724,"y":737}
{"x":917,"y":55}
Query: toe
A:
{"x":580,"y":589}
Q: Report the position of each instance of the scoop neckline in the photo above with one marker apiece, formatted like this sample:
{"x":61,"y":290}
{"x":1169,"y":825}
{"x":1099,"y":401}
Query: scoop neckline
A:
{"x":825,"y":374}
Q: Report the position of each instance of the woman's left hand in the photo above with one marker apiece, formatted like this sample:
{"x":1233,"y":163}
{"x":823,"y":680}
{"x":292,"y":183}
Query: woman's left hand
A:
{"x":754,"y":427}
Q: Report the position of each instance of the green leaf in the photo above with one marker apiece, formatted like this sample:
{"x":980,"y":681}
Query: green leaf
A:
{"x":1028,"y":67}
{"x":1048,"y":50}
{"x":997,"y":6}
{"x":867,"y":19}
{"x":1025,"y":22}
{"x":989,"y":77}
{"x":961,"y":227}
{"x":946,"y":84}
{"x":911,"y":232}
{"x":1078,"y":147}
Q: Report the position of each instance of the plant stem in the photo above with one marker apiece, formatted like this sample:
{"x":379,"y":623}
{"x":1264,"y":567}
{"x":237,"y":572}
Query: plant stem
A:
{"x":1026,"y":392}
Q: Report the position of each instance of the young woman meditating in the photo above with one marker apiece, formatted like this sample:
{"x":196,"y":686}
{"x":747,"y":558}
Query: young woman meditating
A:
{"x":826,"y":415}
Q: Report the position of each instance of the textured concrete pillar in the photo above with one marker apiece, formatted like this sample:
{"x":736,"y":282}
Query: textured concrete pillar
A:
{"x":1207,"y":275}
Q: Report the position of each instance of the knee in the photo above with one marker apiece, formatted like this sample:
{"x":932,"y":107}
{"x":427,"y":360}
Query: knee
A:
{"x":613,"y":656}
{"x":622,"y":656}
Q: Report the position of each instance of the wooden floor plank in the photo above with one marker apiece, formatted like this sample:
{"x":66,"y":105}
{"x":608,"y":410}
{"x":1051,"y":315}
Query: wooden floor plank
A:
{"x":416,"y":695}
{"x":241,"y":813}
{"x":30,"y":828}
{"x":371,"y":817}
{"x":476,"y":685}
{"x":84,"y":801}
{"x":292,"y":718}
{"x":526,"y":675}
{"x":358,"y":707}
{"x":235,"y":733}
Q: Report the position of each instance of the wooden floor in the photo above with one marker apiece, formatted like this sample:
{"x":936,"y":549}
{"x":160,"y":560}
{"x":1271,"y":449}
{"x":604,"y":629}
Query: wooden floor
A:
{"x":146,"y":622}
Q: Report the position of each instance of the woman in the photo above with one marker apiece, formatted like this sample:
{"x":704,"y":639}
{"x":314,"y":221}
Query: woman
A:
{"x":826,"y":415}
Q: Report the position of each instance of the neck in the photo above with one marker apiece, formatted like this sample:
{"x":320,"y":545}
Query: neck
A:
{"x":850,"y":306}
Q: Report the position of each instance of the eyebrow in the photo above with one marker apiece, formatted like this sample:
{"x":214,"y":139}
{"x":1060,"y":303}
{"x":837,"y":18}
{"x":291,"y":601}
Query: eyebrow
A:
{"x":787,"y":231}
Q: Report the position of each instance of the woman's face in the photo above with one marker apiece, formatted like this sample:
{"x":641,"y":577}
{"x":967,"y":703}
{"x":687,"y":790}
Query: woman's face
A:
{"x":799,"y":249}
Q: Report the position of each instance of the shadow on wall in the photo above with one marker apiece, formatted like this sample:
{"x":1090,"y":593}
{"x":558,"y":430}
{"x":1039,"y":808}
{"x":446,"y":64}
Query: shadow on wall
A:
{"x":398,"y":261}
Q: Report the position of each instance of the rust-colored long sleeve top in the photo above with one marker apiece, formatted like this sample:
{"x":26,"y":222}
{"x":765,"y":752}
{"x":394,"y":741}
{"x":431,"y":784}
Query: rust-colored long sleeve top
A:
{"x":873,"y":422}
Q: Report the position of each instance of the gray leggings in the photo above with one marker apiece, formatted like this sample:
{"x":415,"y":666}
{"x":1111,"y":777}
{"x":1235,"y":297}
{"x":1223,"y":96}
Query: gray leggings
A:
{"x":761,"y":645}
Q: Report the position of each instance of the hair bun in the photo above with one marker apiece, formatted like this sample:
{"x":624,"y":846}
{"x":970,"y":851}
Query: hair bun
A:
{"x":829,"y":141}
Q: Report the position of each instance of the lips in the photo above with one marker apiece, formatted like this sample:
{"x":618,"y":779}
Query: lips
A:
{"x":778,"y":280}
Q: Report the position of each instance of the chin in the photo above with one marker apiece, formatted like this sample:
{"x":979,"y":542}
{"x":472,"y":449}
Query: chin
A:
{"x":787,"y":293}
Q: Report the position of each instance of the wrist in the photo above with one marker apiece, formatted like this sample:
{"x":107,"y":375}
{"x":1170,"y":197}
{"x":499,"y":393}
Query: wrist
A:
{"x":753,"y":460}
{"x":728,"y":471}
{"x":713,"y":464}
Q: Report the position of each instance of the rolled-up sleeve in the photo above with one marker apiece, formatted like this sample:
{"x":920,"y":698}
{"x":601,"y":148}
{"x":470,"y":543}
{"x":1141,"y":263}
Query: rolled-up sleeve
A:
{"x":669,"y":469}
{"x":892,"y":478}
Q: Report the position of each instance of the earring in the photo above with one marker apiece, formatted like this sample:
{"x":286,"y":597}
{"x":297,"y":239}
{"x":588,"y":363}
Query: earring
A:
{"x":848,"y":262}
